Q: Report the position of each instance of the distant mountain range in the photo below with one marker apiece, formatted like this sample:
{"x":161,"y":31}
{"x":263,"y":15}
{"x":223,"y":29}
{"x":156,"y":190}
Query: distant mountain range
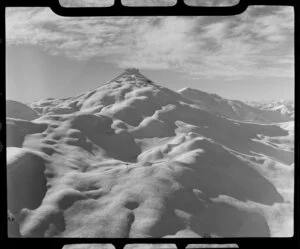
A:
{"x":268,"y":112}
{"x":285,"y":107}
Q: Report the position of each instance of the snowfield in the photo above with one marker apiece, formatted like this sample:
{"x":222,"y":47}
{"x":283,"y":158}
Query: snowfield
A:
{"x":134,"y":159}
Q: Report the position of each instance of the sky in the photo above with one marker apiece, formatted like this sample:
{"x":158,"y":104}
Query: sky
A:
{"x":246,"y":57}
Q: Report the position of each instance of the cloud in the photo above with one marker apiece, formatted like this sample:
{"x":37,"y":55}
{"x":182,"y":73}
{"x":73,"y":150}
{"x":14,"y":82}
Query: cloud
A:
{"x":165,"y":44}
{"x":257,"y":43}
{"x":74,"y":37}
{"x":246,"y":45}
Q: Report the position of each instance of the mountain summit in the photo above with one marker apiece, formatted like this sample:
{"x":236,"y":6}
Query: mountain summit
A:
{"x":135,"y":159}
{"x":131,"y":74}
{"x":132,"y":70}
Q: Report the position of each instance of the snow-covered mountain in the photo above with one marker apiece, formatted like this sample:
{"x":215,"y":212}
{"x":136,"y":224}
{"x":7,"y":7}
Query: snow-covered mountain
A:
{"x":284,"y":107}
{"x":135,"y":159}
{"x":238,"y":110}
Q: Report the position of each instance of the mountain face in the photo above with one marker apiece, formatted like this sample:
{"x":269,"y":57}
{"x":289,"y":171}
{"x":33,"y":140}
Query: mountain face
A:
{"x":135,"y":159}
{"x":238,"y":110}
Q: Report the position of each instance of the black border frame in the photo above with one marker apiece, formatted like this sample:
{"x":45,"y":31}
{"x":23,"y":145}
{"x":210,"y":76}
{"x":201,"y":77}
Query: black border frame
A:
{"x":179,"y":9}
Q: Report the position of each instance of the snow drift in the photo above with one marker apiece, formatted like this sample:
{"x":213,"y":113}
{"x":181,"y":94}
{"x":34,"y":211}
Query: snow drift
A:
{"x":134,"y":159}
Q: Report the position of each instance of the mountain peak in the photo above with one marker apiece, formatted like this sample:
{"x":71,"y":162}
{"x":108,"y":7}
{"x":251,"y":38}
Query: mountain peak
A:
{"x":132,"y":70}
{"x":132,"y":74}
{"x":135,"y":73}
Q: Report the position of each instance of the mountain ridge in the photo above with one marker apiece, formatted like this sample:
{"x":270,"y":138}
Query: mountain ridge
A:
{"x":234,"y":109}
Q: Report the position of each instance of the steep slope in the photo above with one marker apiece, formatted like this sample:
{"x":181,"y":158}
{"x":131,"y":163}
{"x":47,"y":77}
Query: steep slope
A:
{"x":235,"y":109}
{"x":134,"y":159}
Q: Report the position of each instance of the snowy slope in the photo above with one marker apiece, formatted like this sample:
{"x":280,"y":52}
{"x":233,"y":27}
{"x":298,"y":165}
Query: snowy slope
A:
{"x":235,"y":109}
{"x":134,"y":159}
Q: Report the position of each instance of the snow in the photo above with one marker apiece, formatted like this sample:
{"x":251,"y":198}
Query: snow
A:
{"x":134,"y":159}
